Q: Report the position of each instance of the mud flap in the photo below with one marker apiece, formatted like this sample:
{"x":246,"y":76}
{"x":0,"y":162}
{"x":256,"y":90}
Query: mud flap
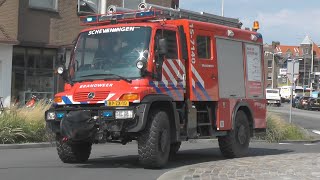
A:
{"x":78,"y":126}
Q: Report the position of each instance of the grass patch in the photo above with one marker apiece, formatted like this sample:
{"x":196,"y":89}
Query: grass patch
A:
{"x":279,"y":130}
{"x":22,"y":125}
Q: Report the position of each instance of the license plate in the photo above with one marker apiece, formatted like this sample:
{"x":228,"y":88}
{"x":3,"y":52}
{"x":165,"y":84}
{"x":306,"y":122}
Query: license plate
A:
{"x":117,"y":103}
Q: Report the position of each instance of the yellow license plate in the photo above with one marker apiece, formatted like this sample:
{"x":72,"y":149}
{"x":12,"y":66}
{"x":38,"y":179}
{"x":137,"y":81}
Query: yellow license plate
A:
{"x":117,"y":103}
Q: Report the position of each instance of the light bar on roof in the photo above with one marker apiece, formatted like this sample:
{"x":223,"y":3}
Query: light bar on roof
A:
{"x":140,"y":15}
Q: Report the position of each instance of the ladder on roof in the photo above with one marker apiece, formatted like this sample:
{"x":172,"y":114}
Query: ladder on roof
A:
{"x":154,"y":12}
{"x":179,"y":13}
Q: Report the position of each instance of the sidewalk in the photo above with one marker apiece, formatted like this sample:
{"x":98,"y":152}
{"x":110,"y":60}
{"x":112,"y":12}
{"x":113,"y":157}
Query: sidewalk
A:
{"x":287,"y":166}
{"x":27,"y":145}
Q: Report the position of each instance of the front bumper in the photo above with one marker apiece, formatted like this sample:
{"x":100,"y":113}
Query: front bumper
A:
{"x":110,"y":119}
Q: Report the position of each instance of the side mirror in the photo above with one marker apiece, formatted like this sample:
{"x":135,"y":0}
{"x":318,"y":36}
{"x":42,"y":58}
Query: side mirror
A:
{"x":62,"y":56}
{"x":163,"y":46}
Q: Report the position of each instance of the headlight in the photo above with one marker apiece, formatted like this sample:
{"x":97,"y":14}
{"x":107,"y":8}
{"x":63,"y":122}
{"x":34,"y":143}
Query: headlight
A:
{"x":140,"y":64}
{"x":60,"y":70}
{"x":124,"y":114}
{"x":51,"y":116}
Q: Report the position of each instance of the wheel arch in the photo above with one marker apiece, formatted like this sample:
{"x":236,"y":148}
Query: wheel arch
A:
{"x":166,"y":103}
{"x":245,"y":107}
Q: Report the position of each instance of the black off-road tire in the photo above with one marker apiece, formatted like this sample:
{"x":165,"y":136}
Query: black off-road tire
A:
{"x":74,"y":153}
{"x":236,"y":143}
{"x":154,"y":141}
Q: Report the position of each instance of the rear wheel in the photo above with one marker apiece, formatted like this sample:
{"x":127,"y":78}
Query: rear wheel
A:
{"x":154,"y":141}
{"x":236,"y":143}
{"x":73,"y":153}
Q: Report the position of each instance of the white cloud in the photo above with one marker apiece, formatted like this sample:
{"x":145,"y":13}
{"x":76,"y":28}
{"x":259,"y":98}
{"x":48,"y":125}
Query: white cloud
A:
{"x":286,"y":24}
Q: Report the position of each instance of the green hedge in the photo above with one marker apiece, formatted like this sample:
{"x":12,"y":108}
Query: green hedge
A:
{"x":23,"y":125}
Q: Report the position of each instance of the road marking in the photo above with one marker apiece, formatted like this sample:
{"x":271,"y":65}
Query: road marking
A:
{"x":310,"y":144}
{"x":316,"y":131}
{"x":284,"y":143}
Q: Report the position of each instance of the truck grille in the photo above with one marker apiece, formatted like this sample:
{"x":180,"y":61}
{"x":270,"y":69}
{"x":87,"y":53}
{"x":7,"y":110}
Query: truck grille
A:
{"x":83,"y":96}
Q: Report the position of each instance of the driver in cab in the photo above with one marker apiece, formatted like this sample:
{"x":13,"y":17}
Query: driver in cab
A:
{"x":107,"y":54}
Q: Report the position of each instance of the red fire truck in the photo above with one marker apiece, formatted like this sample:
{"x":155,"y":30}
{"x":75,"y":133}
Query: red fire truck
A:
{"x":160,"y":76}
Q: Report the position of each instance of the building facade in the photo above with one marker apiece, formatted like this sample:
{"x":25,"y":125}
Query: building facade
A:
{"x":308,"y":56}
{"x":31,"y":31}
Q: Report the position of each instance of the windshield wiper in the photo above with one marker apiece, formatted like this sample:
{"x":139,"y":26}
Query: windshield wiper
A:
{"x":120,"y":77}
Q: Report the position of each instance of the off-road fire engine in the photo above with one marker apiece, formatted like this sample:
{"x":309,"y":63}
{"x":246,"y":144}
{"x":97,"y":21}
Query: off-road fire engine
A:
{"x":160,"y":76}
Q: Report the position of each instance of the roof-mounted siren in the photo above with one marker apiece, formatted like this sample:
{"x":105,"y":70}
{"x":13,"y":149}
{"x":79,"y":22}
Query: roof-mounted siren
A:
{"x":256,"y":26}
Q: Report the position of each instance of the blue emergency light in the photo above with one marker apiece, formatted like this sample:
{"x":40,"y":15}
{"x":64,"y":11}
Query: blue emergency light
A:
{"x":60,"y":115}
{"x":107,"y":114}
{"x":91,"y":19}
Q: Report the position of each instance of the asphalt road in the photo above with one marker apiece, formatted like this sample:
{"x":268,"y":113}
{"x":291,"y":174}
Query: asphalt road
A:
{"x":309,"y":120}
{"x":114,"y":161}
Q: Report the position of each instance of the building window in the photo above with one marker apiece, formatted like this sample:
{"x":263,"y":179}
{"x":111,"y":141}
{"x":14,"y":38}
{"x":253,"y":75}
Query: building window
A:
{"x":269,"y":76}
{"x":204,"y":47}
{"x":33,"y":73}
{"x":44,"y":4}
{"x":132,"y":4}
{"x":269,"y":63}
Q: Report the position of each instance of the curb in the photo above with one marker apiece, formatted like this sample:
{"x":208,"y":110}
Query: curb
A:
{"x":27,"y":145}
{"x":301,"y":141}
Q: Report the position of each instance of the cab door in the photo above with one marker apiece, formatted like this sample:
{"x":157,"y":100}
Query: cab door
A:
{"x":173,"y":72}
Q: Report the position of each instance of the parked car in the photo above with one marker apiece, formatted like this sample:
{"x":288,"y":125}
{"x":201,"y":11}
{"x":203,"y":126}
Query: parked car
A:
{"x":314,"y":104}
{"x":303,"y":102}
{"x":273,"y":96}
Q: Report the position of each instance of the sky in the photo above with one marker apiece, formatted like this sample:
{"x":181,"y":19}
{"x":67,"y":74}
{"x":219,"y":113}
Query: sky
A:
{"x":286,"y":21}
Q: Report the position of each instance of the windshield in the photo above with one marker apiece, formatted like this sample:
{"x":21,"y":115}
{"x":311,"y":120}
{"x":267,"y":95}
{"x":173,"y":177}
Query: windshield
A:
{"x":109,"y":53}
{"x":273,"y":91}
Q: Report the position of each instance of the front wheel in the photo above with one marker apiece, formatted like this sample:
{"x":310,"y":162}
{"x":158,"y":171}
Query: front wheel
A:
{"x":154,"y":141}
{"x":236,"y":143}
{"x":73,"y":153}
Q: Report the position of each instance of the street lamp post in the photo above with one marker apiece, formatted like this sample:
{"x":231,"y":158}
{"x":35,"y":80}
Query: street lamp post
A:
{"x":293,"y":84}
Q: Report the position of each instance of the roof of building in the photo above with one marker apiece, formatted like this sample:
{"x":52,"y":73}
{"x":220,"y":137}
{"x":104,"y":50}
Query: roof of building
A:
{"x":307,"y":40}
{"x":284,"y":49}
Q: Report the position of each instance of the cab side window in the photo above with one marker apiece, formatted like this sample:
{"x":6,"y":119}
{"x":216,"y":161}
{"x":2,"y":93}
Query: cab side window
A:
{"x":204,"y":47}
{"x":172,"y":42}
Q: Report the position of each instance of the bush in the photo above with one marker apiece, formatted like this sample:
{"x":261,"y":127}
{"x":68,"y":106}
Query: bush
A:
{"x":21,"y":125}
{"x":279,"y":130}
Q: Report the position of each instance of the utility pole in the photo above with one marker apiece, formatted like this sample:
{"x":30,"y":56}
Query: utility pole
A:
{"x":311,"y":87}
{"x":222,"y":7}
{"x":304,"y":74}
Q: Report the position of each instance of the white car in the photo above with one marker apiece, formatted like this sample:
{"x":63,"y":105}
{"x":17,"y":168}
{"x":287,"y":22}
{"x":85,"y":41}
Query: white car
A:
{"x":273,"y":96}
